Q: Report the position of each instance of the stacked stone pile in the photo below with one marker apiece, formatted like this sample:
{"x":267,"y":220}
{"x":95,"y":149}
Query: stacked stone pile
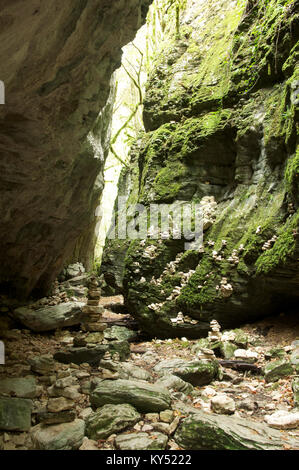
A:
{"x":93,"y":311}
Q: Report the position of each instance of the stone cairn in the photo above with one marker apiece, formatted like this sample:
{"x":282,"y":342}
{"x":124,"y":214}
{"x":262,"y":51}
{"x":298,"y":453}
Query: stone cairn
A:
{"x":215,"y":334}
{"x":93,"y":311}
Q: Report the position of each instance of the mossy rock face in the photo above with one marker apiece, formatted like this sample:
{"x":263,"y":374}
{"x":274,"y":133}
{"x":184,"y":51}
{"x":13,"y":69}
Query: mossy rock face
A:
{"x":277,"y":370}
{"x":111,"y":419}
{"x":223,"y":127}
{"x":204,"y":431}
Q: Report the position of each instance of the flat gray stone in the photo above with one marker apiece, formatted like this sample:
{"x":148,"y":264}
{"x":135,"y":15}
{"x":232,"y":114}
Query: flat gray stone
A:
{"x":141,"y":441}
{"x":18,"y":387}
{"x":15,"y":414}
{"x":144,"y":397}
{"x":50,"y":318}
{"x":66,"y":436}
{"x":56,"y":418}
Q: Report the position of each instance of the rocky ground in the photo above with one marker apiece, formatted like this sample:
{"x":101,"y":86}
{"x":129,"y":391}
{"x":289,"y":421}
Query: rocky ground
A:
{"x":149,"y":394}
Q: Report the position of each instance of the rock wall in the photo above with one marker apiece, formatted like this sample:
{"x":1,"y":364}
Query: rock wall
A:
{"x":56,"y":60}
{"x":220,"y":115}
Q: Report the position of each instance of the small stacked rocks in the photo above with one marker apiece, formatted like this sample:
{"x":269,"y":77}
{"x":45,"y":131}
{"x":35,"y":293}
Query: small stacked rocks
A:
{"x":93,"y":318}
{"x":215,"y":334}
{"x":206,"y":354}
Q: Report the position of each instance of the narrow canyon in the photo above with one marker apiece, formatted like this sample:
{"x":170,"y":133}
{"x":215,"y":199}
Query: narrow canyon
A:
{"x":149,"y":238}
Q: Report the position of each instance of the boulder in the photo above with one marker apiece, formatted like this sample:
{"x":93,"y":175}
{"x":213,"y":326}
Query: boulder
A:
{"x":120,"y":333}
{"x":144,"y":397}
{"x":227,"y":349}
{"x":66,"y":436}
{"x":141,"y":441}
{"x":241,"y":338}
{"x":126,"y":370}
{"x":15,"y":414}
{"x":111,"y":419}
{"x":93,"y":355}
{"x":278,"y":369}
{"x":18,"y":387}
{"x":74,"y":270}
{"x":205,"y":431}
{"x":173,"y":382}
{"x":167,"y":416}
{"x":50,"y":318}
{"x":195,"y":372}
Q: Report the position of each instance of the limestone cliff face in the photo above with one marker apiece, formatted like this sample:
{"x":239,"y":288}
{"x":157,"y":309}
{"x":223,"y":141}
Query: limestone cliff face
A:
{"x":220,"y":114}
{"x":56,"y":60}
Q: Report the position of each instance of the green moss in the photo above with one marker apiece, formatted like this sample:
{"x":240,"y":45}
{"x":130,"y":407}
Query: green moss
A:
{"x":282,"y":249}
{"x":279,"y":119}
{"x":191,"y":295}
{"x":292,"y":174}
{"x":168,"y":181}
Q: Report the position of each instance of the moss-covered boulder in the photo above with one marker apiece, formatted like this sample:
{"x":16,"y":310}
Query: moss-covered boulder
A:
{"x":111,"y":419}
{"x":195,"y":372}
{"x":277,"y":370}
{"x":120,"y":333}
{"x":172,"y":382}
{"x":144,"y":397}
{"x":227,"y":349}
{"x":203,"y":431}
